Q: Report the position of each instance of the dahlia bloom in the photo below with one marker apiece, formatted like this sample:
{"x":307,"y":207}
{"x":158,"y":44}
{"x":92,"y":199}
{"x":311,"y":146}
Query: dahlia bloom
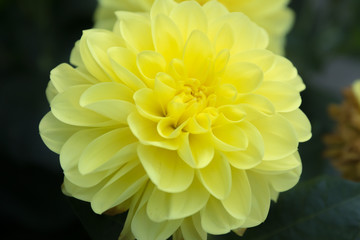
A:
{"x":180,"y":117}
{"x":273,"y":15}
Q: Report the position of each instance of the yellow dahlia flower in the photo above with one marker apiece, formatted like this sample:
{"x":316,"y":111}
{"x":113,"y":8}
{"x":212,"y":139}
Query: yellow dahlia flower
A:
{"x":179,"y":116}
{"x":273,"y":15}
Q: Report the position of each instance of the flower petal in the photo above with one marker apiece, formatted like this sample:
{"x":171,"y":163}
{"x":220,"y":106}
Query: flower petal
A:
{"x":150,"y":63}
{"x":135,"y":29}
{"x":229,"y":137}
{"x":246,"y":77}
{"x":167,"y":37}
{"x":65,"y":107}
{"x":216,"y":220}
{"x":100,"y":151}
{"x":196,"y":150}
{"x":146,"y":131}
{"x":279,"y":137}
{"x":191,"y":228}
{"x":164,"y":206}
{"x":148,"y":104}
{"x":279,"y":165}
{"x":216,"y":177}
{"x":300,"y":123}
{"x":238,"y":203}
{"x":55,"y":133}
{"x":166,"y":169}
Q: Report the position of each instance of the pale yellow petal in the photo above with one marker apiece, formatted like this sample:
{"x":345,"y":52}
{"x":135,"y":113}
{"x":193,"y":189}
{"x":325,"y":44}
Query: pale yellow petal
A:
{"x":55,"y":133}
{"x":88,"y":180}
{"x":150,"y":63}
{"x":260,"y":203}
{"x":253,"y":154}
{"x":93,"y":49}
{"x":64,"y":76}
{"x":167,"y":128}
{"x":162,"y":7}
{"x":279,"y":165}
{"x":50,"y":92}
{"x":65,"y":107}
{"x":255,"y":106}
{"x":136,"y":30}
{"x":146,"y":131}
{"x":169,"y":176}
{"x":191,"y":228}
{"x":214,"y":9}
{"x":73,"y":148}
{"x":164,"y":206}
{"x":123,"y":62}
{"x":198,"y":53}
{"x":111,"y":99}
{"x":246,"y":77}
{"x":216,"y":177}
{"x":189,"y":16}
{"x":229,"y":137}
{"x":196,"y":150}
{"x":238,"y":203}
{"x":285,"y":181}
{"x":148,"y":104}
{"x":279,"y":136}
{"x":216,"y":220}
{"x":283,"y":96}
{"x":103,"y":148}
{"x":300,"y":123}
{"x":167,"y":37}
{"x":124,"y":184}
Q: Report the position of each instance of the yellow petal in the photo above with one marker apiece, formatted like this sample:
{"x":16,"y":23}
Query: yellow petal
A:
{"x":214,"y":9}
{"x":189,"y":16}
{"x":146,"y":131}
{"x":65,"y":76}
{"x":50,"y":92}
{"x":103,"y":148}
{"x":75,"y":56}
{"x":232,"y":113}
{"x":65,"y":107}
{"x":113,"y":100}
{"x":260,"y":200}
{"x":148,"y":104}
{"x":191,"y":228}
{"x":246,"y":77}
{"x":279,"y":137}
{"x":238,"y":203}
{"x":169,"y":176}
{"x":216,"y":220}
{"x":124,"y":184}
{"x":167,"y":37}
{"x":254,"y":153}
{"x":225,"y":38}
{"x":300,"y":123}
{"x":135,"y":29}
{"x":150,"y":63}
{"x":216,"y":177}
{"x":167,"y":128}
{"x":283,"y":96}
{"x":55,"y":133}
{"x":279,"y":165}
{"x":229,"y":137}
{"x":164,"y":206}
{"x":285,"y":181}
{"x":74,"y":147}
{"x":198,"y":53}
{"x":199,"y":124}
{"x":164,"y":88}
{"x":123,"y":62}
{"x":93,"y":49}
{"x":145,"y":229}
{"x":88,"y":180}
{"x":255,"y":106}
{"x":162,"y":7}
{"x":196,"y":150}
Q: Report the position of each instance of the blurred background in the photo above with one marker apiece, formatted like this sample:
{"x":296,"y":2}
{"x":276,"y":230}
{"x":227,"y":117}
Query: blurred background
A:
{"x":38,"y":35}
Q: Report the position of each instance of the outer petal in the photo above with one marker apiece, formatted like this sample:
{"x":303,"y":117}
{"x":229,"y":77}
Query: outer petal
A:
{"x":191,"y":228}
{"x":98,"y":154}
{"x":216,"y":177}
{"x":165,"y":169}
{"x":124,"y":184}
{"x":148,"y":104}
{"x":55,"y":133}
{"x":168,"y":206}
{"x":216,"y":220}
{"x":229,"y":137}
{"x":65,"y":107}
{"x":300,"y":123}
{"x":238,"y":203}
{"x":279,"y":137}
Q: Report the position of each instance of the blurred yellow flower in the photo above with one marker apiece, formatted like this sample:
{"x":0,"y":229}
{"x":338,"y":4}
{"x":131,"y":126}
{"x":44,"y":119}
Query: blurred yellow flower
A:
{"x":180,"y":116}
{"x":273,"y":15}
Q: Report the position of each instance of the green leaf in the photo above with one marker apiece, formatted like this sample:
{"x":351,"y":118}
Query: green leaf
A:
{"x":99,"y":227}
{"x":323,"y":208}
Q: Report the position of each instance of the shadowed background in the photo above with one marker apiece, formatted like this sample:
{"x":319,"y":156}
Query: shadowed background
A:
{"x":38,"y":35}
